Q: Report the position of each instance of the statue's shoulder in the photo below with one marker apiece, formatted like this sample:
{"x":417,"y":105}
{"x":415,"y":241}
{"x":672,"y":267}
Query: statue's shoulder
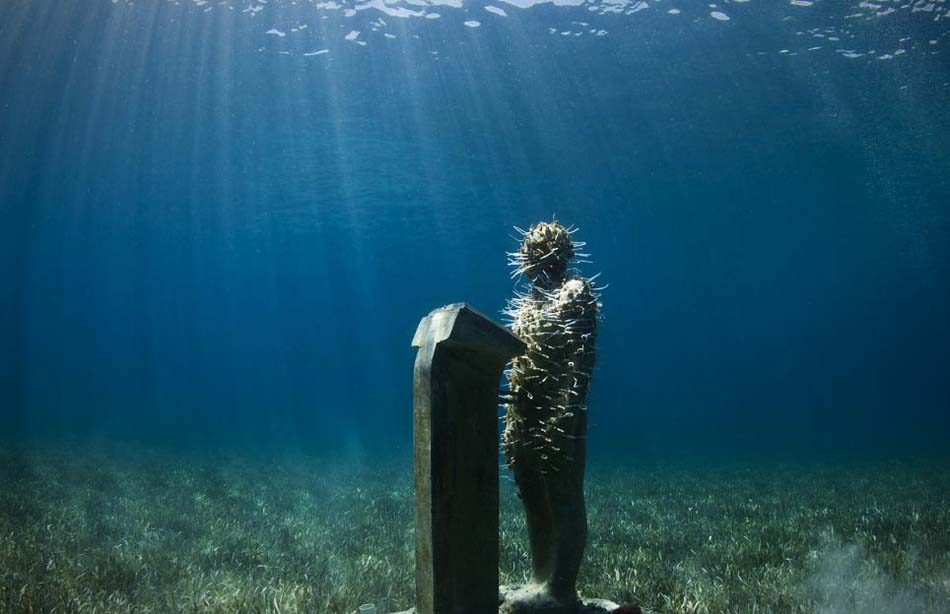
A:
{"x":577,"y":286}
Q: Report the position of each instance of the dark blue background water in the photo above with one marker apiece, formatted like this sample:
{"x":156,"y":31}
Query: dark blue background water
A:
{"x":206,"y":242}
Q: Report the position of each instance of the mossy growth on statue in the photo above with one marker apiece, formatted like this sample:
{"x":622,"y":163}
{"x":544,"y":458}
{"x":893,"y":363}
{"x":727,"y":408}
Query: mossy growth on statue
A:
{"x":556,"y":314}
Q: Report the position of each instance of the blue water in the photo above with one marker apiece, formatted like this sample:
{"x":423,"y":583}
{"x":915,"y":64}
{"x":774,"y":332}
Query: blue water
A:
{"x":211,"y":235}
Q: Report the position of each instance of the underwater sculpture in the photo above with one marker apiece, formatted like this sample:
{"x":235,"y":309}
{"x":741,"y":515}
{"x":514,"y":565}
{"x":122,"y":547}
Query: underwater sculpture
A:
{"x":546,"y":419}
{"x":461,"y":355}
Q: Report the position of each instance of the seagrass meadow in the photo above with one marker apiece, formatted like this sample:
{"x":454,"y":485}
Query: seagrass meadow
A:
{"x":126,"y":530}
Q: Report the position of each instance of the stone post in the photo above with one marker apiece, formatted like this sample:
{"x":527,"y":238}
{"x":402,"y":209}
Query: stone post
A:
{"x":458,"y":368}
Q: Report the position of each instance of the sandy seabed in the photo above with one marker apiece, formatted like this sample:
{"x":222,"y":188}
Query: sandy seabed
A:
{"x":133,"y":530}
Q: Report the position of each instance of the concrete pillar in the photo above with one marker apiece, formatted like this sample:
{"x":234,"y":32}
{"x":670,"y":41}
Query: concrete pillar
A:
{"x":460,"y":359}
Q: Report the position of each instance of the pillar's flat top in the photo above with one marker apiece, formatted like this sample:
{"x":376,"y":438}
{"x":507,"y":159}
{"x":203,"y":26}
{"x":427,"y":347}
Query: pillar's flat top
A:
{"x":461,"y":325}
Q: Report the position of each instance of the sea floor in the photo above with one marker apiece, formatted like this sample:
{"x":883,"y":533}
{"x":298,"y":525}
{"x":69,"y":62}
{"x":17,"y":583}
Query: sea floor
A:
{"x":130,"y":530}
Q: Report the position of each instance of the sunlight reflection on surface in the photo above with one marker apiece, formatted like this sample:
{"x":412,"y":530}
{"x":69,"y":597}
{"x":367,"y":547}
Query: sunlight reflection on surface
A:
{"x":880,"y":30}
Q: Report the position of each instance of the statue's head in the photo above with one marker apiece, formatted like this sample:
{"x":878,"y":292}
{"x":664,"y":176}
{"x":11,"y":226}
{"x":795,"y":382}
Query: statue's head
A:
{"x":545,"y":252}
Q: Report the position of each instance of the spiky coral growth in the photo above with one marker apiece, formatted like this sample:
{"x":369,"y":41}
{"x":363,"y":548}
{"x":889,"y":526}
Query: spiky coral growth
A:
{"x":544,"y":253}
{"x":557,"y":318}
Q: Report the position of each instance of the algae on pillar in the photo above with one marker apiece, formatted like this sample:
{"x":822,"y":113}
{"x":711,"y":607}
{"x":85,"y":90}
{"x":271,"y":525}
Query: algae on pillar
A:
{"x":546,"y":418}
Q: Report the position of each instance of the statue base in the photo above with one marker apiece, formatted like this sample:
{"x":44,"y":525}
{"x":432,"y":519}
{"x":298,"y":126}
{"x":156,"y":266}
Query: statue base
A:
{"x":531,"y":599}
{"x":528,"y":599}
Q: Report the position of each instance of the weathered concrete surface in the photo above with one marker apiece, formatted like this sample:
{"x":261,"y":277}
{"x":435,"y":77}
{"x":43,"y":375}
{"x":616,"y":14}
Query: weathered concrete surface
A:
{"x":455,"y":397}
